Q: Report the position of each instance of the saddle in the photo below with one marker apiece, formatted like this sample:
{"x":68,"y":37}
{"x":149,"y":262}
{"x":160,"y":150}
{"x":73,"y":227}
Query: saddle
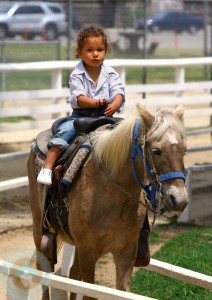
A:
{"x":82,"y":126}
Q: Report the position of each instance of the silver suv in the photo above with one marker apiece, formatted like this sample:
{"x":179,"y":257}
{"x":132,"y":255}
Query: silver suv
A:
{"x":32,"y":18}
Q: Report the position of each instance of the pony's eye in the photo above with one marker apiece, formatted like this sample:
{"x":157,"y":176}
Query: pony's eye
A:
{"x":156,"y":151}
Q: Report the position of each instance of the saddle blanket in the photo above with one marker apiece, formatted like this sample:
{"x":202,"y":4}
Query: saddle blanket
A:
{"x":73,"y":157}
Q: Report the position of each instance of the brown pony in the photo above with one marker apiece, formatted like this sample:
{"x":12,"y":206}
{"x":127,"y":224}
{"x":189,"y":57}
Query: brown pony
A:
{"x":106,"y":206}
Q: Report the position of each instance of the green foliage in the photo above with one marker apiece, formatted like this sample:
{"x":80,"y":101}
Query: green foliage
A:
{"x":14,"y":119}
{"x":191,"y":250}
{"x":154,"y":237}
{"x":27,"y":80}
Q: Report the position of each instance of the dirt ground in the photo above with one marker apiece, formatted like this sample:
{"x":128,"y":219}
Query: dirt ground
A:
{"x":16,"y":223}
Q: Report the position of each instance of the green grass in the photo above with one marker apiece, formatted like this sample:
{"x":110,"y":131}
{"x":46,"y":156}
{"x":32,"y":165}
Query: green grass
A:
{"x":14,"y":119}
{"x":191,"y":250}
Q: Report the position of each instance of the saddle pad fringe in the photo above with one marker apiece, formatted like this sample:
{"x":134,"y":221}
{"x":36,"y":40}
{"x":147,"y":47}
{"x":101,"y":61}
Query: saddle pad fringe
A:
{"x":39,"y":159}
{"x":77,"y":161}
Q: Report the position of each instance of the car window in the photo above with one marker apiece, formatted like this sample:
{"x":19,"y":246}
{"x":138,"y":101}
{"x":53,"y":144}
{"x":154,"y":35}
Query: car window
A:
{"x":160,"y":15}
{"x":55,"y":9}
{"x":173,"y":15}
{"x":34,"y":9}
{"x":5,"y":7}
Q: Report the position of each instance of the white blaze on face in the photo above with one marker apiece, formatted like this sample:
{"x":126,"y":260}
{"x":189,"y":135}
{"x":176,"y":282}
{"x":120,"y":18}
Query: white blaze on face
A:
{"x":172,"y":138}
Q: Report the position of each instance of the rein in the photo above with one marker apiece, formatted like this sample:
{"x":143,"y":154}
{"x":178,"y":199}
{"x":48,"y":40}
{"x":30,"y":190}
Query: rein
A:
{"x":138,"y":149}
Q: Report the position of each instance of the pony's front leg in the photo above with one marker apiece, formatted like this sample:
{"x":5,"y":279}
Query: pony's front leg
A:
{"x":124,"y":262}
{"x":87,"y":261}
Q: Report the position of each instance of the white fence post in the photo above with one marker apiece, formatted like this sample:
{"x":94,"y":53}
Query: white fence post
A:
{"x":122,"y":73}
{"x":180,"y":77}
{"x":67,"y":262}
{"x":57,"y":80}
{"x":68,"y":259}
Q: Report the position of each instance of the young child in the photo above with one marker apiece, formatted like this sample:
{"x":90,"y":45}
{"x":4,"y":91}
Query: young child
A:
{"x":96,"y":90}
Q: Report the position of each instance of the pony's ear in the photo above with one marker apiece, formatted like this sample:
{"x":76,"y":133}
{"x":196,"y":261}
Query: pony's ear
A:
{"x":179,"y":111}
{"x":146,"y":116}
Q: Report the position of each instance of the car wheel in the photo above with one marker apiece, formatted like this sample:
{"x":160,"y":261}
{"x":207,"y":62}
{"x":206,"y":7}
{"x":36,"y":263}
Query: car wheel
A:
{"x":192,"y":29}
{"x":3,"y":32}
{"x":155,"y":29}
{"x":51,"y":32}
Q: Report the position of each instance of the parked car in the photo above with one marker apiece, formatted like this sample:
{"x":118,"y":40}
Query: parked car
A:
{"x":33,"y":18}
{"x":172,"y":20}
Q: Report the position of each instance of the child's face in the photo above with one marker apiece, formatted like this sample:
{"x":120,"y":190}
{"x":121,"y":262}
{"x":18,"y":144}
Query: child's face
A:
{"x":93,"y":51}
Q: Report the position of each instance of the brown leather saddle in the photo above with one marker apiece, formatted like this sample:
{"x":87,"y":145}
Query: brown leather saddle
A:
{"x":82,"y":125}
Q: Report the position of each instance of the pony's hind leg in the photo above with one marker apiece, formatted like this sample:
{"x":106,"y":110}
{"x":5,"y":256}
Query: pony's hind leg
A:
{"x":124,"y":262}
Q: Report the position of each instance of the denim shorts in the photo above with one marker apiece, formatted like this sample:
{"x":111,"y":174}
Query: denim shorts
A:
{"x":65,"y":133}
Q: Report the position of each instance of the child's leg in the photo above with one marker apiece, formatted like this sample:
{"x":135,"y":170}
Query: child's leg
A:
{"x":45,"y":175}
{"x":57,"y":145}
{"x":53,"y":154}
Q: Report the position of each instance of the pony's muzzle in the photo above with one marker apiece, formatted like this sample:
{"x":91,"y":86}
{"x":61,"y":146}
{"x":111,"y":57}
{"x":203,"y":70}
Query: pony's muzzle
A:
{"x":175,"y":199}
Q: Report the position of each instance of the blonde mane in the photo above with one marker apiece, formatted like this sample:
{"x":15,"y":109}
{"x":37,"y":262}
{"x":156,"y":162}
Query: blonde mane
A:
{"x":112,"y":147}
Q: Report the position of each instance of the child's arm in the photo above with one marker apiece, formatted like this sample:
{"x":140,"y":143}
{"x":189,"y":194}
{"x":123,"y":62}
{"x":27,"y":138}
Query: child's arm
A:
{"x":112,"y":107}
{"x":86,"y":102}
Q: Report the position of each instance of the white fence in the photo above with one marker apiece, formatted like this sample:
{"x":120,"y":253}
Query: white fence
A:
{"x":43,"y":112}
{"x":28,"y":275}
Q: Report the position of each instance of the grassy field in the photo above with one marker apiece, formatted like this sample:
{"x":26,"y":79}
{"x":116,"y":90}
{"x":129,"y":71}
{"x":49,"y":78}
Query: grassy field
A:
{"x":191,"y":250}
{"x":42,"y":80}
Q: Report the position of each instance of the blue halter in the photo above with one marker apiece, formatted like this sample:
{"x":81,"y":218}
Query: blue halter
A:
{"x":150,"y":189}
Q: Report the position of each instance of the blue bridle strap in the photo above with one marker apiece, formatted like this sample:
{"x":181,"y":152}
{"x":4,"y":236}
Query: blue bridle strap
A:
{"x":150,"y":189}
{"x":171,"y":175}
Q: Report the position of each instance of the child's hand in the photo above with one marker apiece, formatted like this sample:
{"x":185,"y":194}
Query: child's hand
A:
{"x":103,"y":101}
{"x":110,"y":110}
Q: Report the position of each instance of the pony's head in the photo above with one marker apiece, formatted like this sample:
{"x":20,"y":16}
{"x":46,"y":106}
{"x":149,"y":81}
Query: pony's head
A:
{"x":166,"y":143}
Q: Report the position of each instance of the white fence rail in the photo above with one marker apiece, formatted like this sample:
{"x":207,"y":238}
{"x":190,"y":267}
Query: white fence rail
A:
{"x":43,"y":112}
{"x":28,"y":275}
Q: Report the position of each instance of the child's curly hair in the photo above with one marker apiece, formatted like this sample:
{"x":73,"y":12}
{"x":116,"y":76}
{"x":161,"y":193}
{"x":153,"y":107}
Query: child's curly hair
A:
{"x":92,"y":31}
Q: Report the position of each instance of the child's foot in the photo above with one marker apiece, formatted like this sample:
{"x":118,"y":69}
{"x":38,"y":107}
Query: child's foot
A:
{"x":45,"y":176}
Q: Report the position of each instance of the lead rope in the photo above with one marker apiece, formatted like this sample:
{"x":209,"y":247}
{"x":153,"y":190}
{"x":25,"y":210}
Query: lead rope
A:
{"x":143,"y":144}
{"x":154,"y":174}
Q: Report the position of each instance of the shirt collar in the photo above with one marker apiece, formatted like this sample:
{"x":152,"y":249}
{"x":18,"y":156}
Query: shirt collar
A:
{"x":80,"y":69}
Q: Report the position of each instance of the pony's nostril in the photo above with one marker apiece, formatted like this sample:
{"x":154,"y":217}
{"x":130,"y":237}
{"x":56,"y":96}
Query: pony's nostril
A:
{"x":173,"y":200}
